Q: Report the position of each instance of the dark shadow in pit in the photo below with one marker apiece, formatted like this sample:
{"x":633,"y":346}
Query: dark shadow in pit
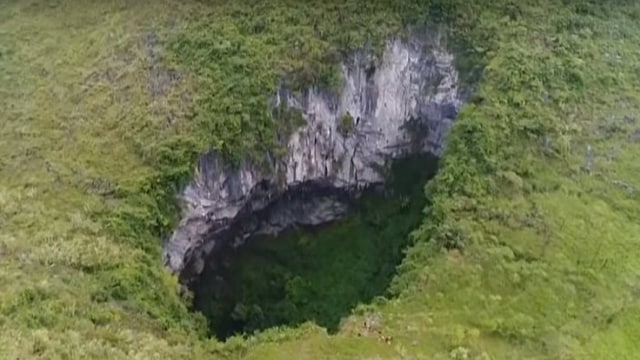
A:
{"x":317,"y":274}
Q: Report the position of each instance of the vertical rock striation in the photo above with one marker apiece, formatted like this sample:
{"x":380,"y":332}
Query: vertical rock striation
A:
{"x":403,"y":103}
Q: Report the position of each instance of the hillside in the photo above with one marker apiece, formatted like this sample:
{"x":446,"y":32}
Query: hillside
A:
{"x":528,"y":240}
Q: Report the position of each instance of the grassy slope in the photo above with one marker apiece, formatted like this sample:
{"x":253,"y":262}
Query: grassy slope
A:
{"x":87,"y":153}
{"x":78,"y":121}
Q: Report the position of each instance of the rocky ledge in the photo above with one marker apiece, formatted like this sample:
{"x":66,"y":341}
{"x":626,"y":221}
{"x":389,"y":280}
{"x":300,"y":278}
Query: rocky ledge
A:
{"x":403,"y":103}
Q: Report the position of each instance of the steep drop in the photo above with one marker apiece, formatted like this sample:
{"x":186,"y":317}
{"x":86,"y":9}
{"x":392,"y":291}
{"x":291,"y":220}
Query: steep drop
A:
{"x":317,"y":274}
{"x":388,"y":108}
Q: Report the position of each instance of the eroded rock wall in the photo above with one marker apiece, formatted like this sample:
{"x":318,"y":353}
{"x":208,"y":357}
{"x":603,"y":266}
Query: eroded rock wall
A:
{"x":403,"y":103}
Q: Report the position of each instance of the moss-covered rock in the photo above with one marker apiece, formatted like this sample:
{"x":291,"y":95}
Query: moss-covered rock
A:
{"x":346,"y":124}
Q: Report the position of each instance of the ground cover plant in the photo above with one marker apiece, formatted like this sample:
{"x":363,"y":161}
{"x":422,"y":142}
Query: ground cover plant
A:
{"x":527,"y":244}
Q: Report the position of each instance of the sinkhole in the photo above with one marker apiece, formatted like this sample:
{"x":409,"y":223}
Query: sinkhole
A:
{"x":313,"y":232}
{"x":316,"y":273}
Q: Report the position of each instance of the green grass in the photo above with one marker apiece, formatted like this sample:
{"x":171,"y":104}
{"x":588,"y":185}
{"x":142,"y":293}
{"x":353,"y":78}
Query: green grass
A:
{"x":79,"y":139}
{"x":105,"y":106}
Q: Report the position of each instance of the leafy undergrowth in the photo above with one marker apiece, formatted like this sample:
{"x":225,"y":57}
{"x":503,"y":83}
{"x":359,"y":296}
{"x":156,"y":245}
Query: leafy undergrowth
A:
{"x":284,"y":280}
{"x":536,"y":199}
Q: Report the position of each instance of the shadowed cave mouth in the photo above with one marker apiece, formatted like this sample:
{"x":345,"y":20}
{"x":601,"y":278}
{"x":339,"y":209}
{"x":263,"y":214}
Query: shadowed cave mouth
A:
{"x":321,"y":273}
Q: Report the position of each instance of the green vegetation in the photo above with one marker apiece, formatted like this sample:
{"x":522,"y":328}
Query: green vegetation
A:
{"x":239,"y":59}
{"x":346,"y":124}
{"x":285,"y":280}
{"x":287,"y":120}
{"x":527,"y":248}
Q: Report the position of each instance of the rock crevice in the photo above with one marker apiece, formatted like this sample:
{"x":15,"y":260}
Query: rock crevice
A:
{"x":403,"y":104}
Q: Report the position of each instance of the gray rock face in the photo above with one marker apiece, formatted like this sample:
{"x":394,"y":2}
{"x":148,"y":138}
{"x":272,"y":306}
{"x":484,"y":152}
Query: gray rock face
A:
{"x":403,"y":103}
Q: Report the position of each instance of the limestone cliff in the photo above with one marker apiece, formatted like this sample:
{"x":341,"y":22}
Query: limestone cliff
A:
{"x":402,"y":103}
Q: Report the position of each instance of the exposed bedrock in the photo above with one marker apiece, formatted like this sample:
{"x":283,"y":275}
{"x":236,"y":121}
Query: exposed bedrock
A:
{"x":402,"y":103}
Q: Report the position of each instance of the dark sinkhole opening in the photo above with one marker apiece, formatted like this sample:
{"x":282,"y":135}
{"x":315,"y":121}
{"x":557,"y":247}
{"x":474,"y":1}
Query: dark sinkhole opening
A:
{"x":316,"y":274}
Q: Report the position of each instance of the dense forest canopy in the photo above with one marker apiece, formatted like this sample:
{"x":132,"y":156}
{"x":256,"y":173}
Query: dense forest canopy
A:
{"x":527,"y":244}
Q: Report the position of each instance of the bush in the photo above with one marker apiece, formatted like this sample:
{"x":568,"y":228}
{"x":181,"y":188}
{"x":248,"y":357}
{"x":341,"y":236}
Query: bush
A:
{"x":346,"y":124}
